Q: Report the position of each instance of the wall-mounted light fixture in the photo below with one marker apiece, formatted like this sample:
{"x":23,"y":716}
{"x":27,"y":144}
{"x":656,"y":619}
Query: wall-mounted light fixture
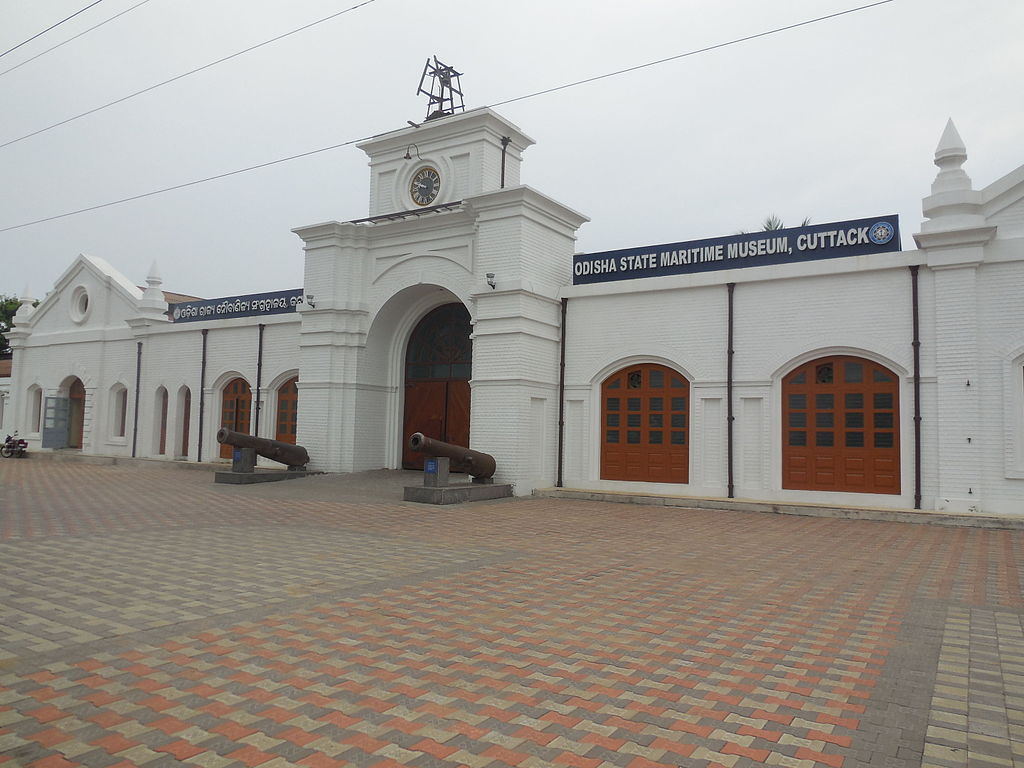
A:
{"x":408,"y":155}
{"x":490,"y":280}
{"x":309,"y":300}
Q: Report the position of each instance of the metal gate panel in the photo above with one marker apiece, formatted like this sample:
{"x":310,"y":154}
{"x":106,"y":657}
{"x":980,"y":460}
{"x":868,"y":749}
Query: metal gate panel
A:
{"x":55,"y":422}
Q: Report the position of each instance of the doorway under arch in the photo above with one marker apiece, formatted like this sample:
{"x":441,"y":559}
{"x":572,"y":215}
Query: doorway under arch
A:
{"x":234,"y":412}
{"x":287,"y":411}
{"x":76,"y":413}
{"x":438,"y":366}
{"x":645,"y":425}
{"x":840,"y":426}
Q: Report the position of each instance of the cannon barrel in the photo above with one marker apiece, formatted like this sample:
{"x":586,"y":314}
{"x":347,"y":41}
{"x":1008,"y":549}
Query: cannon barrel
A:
{"x":286,"y":453}
{"x":481,"y":465}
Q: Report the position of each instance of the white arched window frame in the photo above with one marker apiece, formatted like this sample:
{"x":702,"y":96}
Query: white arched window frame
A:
{"x":35,"y":405}
{"x":118,"y":411}
{"x":1013,"y":388}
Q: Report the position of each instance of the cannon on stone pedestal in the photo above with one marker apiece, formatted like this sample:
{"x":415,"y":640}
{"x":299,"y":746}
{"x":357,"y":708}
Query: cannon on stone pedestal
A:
{"x":295,"y":456}
{"x":481,"y":465}
{"x":436,"y":488}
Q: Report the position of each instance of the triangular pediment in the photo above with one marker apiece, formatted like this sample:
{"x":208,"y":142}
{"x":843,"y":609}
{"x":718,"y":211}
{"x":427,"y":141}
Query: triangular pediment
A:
{"x":90,"y":294}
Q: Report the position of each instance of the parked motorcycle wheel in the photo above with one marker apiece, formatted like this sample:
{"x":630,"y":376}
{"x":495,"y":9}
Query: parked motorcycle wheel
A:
{"x":6,"y":451}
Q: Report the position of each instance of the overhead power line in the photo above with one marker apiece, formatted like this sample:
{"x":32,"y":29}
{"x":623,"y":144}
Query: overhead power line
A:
{"x":496,"y":104}
{"x":251,"y":48}
{"x":83,"y":32}
{"x":54,"y":26}
{"x":705,"y":49}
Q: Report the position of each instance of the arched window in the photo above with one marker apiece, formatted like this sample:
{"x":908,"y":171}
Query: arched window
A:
{"x":645,"y":425}
{"x":118,"y":410}
{"x":840,"y":432}
{"x":235,"y":408}
{"x":184,"y":412}
{"x":287,"y":410}
{"x":161,"y":421}
{"x":35,"y":418}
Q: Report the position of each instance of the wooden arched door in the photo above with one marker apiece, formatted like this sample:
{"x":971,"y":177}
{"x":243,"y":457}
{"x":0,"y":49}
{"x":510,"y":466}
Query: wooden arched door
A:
{"x":76,"y":413}
{"x":287,"y":411}
{"x":841,"y":418}
{"x":235,"y":407}
{"x":438,"y":366}
{"x":645,"y":425}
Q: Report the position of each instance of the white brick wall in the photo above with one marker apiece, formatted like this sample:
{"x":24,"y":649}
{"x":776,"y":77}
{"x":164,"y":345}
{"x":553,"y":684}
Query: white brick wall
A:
{"x":372,"y":282}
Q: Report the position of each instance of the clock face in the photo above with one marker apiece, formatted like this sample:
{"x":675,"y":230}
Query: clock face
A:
{"x":425,"y":185}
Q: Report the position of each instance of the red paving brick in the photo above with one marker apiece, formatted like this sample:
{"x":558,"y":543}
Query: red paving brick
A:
{"x":535,"y":632}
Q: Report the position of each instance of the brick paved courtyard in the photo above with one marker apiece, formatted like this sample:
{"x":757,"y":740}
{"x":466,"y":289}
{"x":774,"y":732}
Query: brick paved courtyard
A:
{"x":150,"y":618}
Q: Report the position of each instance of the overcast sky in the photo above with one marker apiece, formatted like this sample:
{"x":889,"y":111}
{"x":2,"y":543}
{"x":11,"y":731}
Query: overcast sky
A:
{"x":837,"y":120}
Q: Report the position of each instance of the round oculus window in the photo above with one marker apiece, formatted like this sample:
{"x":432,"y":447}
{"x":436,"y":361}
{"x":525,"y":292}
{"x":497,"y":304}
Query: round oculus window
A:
{"x":79,"y":309}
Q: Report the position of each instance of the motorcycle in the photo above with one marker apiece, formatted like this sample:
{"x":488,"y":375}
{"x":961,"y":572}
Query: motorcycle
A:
{"x":15,"y":447}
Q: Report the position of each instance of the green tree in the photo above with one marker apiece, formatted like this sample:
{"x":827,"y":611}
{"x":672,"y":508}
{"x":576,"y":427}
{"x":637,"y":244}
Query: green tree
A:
{"x":8,"y":306}
{"x":773,"y":222}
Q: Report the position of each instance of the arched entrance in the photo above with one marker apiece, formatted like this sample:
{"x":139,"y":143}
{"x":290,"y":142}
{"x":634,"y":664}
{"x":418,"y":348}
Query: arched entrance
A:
{"x":287,"y":410}
{"x":235,"y":407}
{"x":76,"y":413}
{"x":840,"y":419}
{"x":438,"y":366}
{"x":644,"y":425}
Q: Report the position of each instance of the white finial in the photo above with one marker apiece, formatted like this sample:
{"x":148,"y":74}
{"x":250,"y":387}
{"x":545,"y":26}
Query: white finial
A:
{"x":26,"y":307}
{"x":950,"y":155}
{"x":153,"y":297}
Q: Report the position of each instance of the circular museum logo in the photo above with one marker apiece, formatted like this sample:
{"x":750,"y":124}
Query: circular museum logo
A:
{"x":881,"y":233}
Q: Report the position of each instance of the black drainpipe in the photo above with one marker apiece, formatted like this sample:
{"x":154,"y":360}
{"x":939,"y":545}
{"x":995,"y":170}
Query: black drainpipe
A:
{"x":259,"y":382}
{"x":202,"y":396}
{"x":138,"y":386}
{"x":504,"y":146}
{"x":917,"y":386}
{"x":729,"y":418}
{"x":561,"y":397}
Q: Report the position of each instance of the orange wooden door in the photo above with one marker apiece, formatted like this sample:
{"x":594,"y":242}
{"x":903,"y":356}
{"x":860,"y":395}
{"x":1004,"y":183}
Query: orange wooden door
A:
{"x":840,"y":417}
{"x":645,"y":425}
{"x":425,"y":403}
{"x":235,"y":409}
{"x":287,"y":411}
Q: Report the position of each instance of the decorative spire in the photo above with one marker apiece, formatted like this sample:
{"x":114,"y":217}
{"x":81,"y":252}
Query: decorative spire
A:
{"x":27,"y":305}
{"x":152,"y":300}
{"x":950,"y":155}
{"x":955,"y":223}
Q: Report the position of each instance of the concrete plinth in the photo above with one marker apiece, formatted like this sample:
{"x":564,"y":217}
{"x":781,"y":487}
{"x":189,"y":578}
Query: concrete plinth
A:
{"x":457,"y":494}
{"x":247,"y":478}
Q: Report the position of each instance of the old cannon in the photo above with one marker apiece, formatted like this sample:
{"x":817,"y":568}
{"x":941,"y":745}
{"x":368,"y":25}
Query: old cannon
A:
{"x":481,"y":465}
{"x":295,"y":456}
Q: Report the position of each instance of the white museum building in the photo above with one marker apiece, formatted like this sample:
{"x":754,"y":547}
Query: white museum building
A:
{"x":818,"y":364}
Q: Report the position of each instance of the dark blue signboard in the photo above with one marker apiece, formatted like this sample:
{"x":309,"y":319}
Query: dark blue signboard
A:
{"x":755,"y":249}
{"x":250,"y":305}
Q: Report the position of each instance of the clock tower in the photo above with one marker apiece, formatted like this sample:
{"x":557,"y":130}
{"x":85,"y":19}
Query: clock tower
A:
{"x":443,"y":161}
{"x":439,"y":312}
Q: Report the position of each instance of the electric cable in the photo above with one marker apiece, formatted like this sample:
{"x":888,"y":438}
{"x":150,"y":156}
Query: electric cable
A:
{"x":251,"y":48}
{"x":705,"y":49}
{"x":507,"y":101}
{"x":83,"y":32}
{"x":53,"y":26}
